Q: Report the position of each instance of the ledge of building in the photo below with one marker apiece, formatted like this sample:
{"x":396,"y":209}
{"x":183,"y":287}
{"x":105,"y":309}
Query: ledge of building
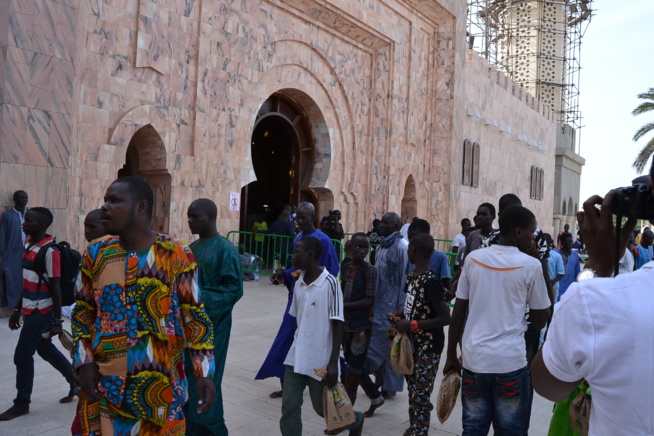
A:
{"x":560,"y":151}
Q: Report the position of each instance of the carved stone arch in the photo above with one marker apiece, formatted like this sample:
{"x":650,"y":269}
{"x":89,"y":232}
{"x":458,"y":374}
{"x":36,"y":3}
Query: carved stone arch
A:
{"x":409,"y":207}
{"x":279,"y":65}
{"x":563,"y":209}
{"x":147,"y":136}
{"x":159,"y":118}
{"x":145,"y":157}
{"x":304,"y":141}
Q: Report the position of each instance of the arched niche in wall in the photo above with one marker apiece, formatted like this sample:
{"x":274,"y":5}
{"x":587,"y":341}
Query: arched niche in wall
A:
{"x":409,"y":205}
{"x":146,"y":158}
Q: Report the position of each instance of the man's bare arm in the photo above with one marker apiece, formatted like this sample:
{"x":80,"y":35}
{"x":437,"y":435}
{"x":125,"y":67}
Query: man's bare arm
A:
{"x":546,"y":384}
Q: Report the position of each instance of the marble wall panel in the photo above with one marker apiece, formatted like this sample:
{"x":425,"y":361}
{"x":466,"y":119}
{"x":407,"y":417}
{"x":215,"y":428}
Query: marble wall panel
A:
{"x":4,"y":22}
{"x":387,"y":77}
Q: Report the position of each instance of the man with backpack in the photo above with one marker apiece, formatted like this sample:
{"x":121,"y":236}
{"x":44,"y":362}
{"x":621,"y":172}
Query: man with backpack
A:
{"x":40,"y":305}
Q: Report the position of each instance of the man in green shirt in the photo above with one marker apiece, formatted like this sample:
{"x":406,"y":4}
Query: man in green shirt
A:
{"x":220,"y":280}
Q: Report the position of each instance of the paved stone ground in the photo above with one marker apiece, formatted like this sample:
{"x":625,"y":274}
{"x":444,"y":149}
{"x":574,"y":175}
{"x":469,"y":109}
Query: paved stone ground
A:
{"x":248,"y":409}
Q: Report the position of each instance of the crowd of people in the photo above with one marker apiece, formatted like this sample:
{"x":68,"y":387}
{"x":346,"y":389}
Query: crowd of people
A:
{"x":152,"y":317}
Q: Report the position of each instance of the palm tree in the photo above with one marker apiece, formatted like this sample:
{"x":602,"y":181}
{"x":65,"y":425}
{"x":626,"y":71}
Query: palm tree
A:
{"x":648,"y":150}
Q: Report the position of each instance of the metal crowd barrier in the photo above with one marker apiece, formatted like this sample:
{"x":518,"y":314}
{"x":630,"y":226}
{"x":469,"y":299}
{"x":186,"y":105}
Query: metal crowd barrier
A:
{"x":266,"y":253}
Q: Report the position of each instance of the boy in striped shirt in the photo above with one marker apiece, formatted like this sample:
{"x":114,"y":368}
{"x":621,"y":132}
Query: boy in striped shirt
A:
{"x":40,"y":306}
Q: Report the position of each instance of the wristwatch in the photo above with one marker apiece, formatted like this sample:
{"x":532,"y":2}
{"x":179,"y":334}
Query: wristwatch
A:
{"x":586,"y":273}
{"x":414,"y":325}
{"x":58,"y":321}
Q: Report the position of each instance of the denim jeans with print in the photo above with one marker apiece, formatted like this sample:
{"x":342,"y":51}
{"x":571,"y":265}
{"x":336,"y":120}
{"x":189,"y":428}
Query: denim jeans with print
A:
{"x":503,"y":400}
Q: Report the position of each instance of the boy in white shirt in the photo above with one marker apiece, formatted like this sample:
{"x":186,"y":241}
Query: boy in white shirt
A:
{"x":318,"y":306}
{"x":496,"y":285}
{"x":460,"y":239}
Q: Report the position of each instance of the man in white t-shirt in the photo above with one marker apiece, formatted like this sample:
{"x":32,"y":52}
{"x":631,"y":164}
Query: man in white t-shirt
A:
{"x":318,"y":307}
{"x":602,"y":331}
{"x":496,"y":285}
{"x":459,"y":240}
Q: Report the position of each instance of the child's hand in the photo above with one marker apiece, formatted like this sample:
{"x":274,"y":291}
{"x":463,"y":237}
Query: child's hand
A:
{"x":395,"y":317}
{"x":277,"y":278}
{"x":332,"y":374}
{"x":403,"y":326}
{"x":452,"y":364}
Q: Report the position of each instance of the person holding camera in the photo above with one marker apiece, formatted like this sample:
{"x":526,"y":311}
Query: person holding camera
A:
{"x":602,"y":328}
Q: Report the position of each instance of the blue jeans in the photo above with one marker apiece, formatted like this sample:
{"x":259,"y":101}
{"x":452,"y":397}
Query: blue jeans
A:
{"x":501,"y":399}
{"x":30,"y":342}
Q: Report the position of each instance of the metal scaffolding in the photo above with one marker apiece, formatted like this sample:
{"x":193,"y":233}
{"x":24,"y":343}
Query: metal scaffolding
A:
{"x":537,"y":43}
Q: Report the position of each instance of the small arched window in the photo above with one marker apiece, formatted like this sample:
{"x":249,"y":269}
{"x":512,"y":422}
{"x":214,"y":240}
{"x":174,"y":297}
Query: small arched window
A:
{"x":537,"y":185}
{"x":471,"y":159}
{"x":475,"y":164}
{"x":467,"y":162}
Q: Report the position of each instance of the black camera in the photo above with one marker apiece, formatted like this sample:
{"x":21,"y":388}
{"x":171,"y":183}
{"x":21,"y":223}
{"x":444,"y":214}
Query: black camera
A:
{"x":634,"y":202}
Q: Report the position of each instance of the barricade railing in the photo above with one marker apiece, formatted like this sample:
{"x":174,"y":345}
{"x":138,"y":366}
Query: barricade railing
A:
{"x":444,"y":245}
{"x":451,"y":257}
{"x":265,"y":253}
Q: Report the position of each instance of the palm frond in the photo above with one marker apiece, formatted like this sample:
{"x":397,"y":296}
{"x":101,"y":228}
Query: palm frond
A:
{"x":643,"y":131}
{"x":643,"y":107}
{"x":643,"y":156}
{"x":649,"y":95}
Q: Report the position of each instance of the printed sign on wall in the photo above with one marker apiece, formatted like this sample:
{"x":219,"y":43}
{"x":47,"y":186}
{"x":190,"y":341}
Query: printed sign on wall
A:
{"x":234,"y":201}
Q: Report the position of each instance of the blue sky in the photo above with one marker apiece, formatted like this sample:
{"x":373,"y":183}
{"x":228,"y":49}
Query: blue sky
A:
{"x":617,"y":60}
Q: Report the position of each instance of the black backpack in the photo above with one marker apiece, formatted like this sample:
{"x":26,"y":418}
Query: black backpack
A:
{"x":70,"y":260}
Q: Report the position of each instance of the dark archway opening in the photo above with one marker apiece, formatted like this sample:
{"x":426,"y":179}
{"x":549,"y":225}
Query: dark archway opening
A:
{"x":273,"y":146}
{"x":146,"y":158}
{"x":282,"y":156}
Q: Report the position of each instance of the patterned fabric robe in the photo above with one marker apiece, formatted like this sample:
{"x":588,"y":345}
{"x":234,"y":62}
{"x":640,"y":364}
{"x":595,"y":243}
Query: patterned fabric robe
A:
{"x":136,"y":312}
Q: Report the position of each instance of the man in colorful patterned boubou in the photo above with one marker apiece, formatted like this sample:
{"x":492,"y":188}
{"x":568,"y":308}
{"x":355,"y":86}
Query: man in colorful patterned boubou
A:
{"x":138,"y":307}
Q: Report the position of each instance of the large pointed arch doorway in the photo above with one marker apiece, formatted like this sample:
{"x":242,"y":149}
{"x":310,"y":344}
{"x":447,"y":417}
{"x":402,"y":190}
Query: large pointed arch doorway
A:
{"x":146,"y":158}
{"x":282,"y":153}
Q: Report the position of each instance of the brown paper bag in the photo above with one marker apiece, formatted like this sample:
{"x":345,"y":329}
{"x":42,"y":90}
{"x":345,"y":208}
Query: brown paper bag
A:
{"x":447,"y":394}
{"x":580,"y":412}
{"x":402,"y":354}
{"x":337,"y":407}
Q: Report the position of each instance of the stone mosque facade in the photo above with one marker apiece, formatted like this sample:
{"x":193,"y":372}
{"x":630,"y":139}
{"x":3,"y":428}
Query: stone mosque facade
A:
{"x":366,"y":106}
